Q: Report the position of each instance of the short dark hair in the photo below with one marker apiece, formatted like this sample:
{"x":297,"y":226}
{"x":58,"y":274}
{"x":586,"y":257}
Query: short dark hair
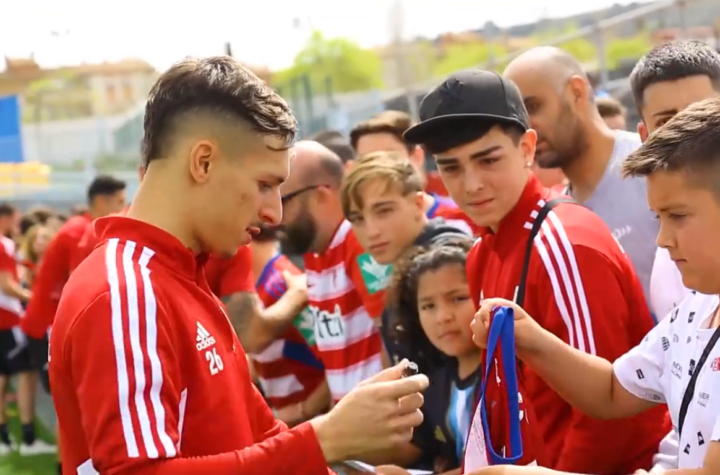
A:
{"x":27,"y":222}
{"x":6,"y":209}
{"x":609,"y":107}
{"x":690,"y":142}
{"x":104,"y":185}
{"x":452,"y":134}
{"x":41,"y":214}
{"x":336,"y":142}
{"x":673,"y":61}
{"x":219,"y":86}
{"x":395,"y":123}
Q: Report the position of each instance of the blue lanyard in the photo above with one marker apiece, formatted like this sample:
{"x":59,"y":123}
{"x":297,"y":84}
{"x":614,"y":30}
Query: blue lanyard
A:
{"x":502,"y":334}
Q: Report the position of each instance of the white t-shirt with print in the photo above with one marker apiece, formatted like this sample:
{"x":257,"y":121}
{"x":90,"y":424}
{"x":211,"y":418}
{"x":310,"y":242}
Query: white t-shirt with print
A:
{"x":666,"y":285}
{"x":659,"y":370}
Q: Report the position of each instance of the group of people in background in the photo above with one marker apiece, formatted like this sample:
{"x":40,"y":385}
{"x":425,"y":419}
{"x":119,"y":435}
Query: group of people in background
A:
{"x":539,"y":205}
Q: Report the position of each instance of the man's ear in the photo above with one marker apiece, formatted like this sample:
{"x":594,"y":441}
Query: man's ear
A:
{"x":527,"y":144}
{"x":419,"y":200}
{"x":581,"y":90}
{"x":642,"y":131}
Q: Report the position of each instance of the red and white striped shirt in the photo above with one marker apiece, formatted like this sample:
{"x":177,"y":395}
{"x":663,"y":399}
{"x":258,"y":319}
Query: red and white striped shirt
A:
{"x":288,"y":369}
{"x":346,"y":292}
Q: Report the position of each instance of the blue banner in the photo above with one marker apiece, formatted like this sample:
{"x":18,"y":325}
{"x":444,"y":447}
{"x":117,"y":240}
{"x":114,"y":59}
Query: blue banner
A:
{"x":11,"y":149}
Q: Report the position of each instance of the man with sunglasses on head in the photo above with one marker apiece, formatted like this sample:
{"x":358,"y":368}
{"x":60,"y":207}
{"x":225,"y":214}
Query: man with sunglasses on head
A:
{"x":345,"y":285}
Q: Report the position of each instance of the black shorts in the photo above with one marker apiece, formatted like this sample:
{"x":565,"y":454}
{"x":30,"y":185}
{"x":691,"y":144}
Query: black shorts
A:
{"x":38,"y":354}
{"x":14,"y":356}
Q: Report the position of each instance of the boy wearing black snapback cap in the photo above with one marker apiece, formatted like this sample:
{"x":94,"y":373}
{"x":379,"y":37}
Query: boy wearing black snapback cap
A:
{"x":544,"y":252}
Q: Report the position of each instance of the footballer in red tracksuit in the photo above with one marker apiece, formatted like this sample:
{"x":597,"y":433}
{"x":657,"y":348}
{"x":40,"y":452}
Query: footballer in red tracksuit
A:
{"x":581,"y":287}
{"x":138,"y":320}
{"x":51,"y":276}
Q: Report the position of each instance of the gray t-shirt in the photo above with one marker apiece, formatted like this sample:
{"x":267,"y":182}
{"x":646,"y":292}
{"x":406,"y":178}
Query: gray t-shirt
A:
{"x":622,"y":205}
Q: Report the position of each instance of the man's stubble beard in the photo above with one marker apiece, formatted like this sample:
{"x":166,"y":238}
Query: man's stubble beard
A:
{"x":570,"y":147}
{"x":299,"y":237}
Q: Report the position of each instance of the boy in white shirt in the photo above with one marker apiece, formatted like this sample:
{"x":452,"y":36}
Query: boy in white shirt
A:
{"x":678,"y":362}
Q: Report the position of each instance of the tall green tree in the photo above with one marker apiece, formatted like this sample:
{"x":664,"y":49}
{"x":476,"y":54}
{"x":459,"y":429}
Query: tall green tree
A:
{"x":349,"y":66}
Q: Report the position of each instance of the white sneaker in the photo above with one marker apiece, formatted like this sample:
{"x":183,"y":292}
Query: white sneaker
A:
{"x":38,"y":447}
{"x":5,"y":449}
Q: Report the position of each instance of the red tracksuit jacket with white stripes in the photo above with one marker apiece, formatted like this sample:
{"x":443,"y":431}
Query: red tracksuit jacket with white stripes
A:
{"x":148,"y":376}
{"x":581,"y":287}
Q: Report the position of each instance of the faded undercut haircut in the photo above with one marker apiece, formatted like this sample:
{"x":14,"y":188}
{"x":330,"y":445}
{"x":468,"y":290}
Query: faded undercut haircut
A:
{"x":394,"y":123}
{"x":390,"y":167}
{"x":218,"y":87}
{"x":689,"y":142}
{"x":671,"y":62}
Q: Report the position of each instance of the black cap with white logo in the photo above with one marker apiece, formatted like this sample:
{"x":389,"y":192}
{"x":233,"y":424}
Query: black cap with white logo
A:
{"x":469,"y":94}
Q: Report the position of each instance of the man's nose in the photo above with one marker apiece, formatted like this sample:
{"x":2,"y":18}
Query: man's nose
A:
{"x":271,"y":211}
{"x":473,"y":181}
{"x":372,"y":229}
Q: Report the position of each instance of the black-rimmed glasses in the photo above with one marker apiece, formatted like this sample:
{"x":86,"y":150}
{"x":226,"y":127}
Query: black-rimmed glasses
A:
{"x":286,"y":199}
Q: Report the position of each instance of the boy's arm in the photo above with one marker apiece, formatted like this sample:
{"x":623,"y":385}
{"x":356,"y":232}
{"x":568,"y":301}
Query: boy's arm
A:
{"x":579,"y":330}
{"x":581,"y":300}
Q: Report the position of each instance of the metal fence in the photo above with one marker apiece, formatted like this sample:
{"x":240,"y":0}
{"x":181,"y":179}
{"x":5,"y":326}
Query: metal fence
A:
{"x":77,"y":150}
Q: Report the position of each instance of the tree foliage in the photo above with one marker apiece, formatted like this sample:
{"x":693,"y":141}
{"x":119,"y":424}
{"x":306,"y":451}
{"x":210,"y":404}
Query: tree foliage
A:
{"x":349,"y":67}
{"x":633,"y":47}
{"x":467,"y":55}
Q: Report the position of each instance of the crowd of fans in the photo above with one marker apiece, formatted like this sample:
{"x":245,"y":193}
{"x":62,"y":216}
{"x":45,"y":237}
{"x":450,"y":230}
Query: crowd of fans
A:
{"x":539,"y":205}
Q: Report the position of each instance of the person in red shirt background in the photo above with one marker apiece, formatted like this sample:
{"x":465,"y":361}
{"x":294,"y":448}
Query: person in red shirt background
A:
{"x":14,"y":357}
{"x":106,"y":195}
{"x":89,"y":239}
{"x":579,"y":283}
{"x":148,"y":375}
{"x":345,"y":286}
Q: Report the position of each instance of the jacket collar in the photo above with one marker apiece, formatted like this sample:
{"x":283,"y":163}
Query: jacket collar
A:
{"x":166,"y":249}
{"x":518,"y":222}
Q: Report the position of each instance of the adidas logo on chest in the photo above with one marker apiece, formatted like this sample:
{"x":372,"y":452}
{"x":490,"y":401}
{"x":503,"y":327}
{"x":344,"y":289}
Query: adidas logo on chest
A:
{"x":204,"y":338}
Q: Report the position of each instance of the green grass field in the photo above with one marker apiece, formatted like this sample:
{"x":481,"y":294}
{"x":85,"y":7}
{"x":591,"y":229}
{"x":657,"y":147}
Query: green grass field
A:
{"x":14,"y":464}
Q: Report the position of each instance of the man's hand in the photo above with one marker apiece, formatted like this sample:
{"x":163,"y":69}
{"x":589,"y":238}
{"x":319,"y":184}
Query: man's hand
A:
{"x":296,"y":283}
{"x":526,"y":329}
{"x":291,"y":415}
{"x":380,"y":412}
